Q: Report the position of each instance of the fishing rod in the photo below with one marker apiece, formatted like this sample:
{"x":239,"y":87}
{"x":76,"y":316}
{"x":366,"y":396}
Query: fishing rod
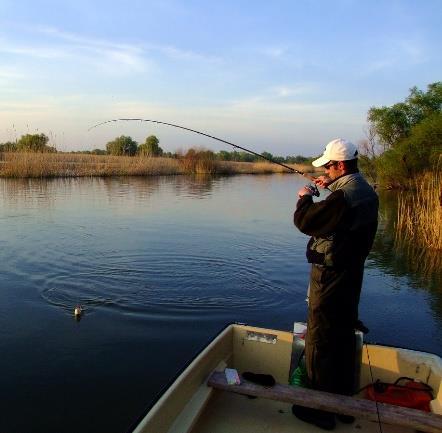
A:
{"x":293,"y":170}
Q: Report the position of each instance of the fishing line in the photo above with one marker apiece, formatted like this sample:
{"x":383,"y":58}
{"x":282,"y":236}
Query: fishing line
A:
{"x":372,"y":381}
{"x":311,"y":178}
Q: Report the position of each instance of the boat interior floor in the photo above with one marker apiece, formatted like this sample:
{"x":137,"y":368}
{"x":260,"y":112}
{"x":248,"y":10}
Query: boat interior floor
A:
{"x":228,"y":412}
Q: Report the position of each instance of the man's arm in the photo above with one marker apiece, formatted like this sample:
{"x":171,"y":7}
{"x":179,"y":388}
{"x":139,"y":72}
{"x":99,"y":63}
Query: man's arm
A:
{"x":321,"y":218}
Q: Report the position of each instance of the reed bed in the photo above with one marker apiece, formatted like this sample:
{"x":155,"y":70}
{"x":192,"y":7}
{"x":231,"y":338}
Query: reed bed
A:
{"x":260,"y":167}
{"x":420,"y":212}
{"x":196,"y":161}
{"x":40,"y":165}
{"x":77,"y":165}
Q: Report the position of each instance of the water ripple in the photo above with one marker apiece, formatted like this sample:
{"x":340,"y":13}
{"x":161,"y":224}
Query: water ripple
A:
{"x":168,"y":282}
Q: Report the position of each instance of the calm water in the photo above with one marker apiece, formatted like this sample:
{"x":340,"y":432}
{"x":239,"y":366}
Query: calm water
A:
{"x":160,"y":265}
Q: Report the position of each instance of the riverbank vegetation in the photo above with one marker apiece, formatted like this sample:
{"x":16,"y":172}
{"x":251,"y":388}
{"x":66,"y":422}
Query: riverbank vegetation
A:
{"x":194,"y":161}
{"x":32,"y":156}
{"x":403,"y":151}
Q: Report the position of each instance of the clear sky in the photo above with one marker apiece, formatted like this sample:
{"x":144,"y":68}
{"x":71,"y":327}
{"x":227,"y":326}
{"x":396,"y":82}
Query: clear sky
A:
{"x":281,"y":76}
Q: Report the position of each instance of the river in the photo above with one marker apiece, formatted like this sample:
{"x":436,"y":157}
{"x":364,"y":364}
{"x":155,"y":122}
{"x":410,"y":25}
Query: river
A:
{"x":160,"y":265}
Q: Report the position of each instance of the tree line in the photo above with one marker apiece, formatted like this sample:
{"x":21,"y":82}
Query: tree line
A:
{"x":127,"y":146}
{"x":404,"y":139}
{"x":120,"y":146}
{"x":224,"y":155}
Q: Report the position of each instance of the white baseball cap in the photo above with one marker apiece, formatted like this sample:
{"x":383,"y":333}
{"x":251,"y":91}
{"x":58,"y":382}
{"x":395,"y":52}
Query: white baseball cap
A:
{"x":337,"y":150}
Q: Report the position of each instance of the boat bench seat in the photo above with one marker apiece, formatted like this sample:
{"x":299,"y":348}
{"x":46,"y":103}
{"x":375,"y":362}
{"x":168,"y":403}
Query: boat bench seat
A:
{"x":357,"y":407}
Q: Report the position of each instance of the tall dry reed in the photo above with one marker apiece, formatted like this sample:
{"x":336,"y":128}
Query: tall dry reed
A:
{"x":39,"y":165}
{"x":199,"y":161}
{"x":419,"y":217}
{"x":77,"y":165}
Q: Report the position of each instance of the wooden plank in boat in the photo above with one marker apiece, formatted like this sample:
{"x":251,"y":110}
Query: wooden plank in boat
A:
{"x":357,"y":407}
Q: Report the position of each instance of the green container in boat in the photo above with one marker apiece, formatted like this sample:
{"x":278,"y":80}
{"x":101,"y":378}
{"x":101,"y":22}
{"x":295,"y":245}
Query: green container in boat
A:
{"x":299,"y":375}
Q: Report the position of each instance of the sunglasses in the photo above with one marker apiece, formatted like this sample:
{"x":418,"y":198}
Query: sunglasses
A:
{"x":330,"y":164}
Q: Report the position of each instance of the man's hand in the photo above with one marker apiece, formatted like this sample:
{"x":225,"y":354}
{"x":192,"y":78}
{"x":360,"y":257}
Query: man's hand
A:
{"x":322,"y":181}
{"x":308,"y":190}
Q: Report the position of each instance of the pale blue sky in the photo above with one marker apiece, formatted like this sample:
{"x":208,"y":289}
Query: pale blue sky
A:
{"x":282,"y":76}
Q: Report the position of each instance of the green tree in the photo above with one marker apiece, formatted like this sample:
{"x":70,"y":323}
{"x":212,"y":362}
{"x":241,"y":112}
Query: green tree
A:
{"x":9,"y":146}
{"x":410,"y":133}
{"x":424,"y":104}
{"x":267,"y":155}
{"x":98,"y":152}
{"x":224,"y":155}
{"x":246,"y":157}
{"x":392,"y":124}
{"x":34,"y":143}
{"x":412,"y":155}
{"x":298,"y":159}
{"x":123,"y":145}
{"x":150,"y":147}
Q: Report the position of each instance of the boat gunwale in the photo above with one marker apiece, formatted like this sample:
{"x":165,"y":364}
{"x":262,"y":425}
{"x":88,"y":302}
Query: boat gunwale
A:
{"x":170,"y":383}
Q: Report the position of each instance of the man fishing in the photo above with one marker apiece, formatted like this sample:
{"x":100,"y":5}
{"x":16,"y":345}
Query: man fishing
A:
{"x":342,"y":229}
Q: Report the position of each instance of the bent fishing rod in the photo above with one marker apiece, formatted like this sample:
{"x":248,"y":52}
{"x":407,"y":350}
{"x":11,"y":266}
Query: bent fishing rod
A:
{"x":293,"y":170}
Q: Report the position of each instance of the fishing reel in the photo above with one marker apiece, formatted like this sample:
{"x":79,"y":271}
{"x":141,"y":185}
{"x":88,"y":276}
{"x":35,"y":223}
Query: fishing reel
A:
{"x":313,"y":189}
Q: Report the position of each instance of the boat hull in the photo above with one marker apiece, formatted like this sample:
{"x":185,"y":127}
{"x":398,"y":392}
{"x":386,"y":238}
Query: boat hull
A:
{"x":189,"y":405}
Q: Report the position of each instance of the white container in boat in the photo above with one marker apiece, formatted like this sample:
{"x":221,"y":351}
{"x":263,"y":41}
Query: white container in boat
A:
{"x":299,"y":329}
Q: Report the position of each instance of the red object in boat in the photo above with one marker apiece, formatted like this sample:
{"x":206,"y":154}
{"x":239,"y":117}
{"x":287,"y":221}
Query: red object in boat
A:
{"x":413,"y":394}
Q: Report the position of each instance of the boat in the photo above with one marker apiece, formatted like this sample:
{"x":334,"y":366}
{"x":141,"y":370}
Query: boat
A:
{"x":201,"y":399}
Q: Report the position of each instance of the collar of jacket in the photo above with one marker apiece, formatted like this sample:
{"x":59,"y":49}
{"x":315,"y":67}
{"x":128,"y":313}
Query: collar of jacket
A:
{"x":341,"y":181}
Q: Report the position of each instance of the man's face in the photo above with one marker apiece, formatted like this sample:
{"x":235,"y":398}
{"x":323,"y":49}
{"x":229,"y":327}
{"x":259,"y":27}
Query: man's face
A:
{"x":333,"y":169}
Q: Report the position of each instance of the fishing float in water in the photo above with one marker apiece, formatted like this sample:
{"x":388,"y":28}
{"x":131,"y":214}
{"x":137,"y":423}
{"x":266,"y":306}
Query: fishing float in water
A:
{"x":78,"y":312}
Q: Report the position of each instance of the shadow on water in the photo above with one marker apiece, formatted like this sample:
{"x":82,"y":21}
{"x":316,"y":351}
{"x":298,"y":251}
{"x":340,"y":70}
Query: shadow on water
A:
{"x":400,"y":257}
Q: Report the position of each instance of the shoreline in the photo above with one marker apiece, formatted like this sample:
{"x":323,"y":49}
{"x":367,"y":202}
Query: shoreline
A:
{"x":53,"y":165}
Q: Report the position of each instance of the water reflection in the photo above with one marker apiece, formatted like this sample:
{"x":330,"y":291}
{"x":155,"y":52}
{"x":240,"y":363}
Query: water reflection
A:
{"x":43,"y":192}
{"x":399,"y":257}
{"x":201,"y":185}
{"x":34,"y":192}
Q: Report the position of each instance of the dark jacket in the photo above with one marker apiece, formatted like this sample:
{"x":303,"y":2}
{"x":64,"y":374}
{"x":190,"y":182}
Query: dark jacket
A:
{"x":343,"y":225}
